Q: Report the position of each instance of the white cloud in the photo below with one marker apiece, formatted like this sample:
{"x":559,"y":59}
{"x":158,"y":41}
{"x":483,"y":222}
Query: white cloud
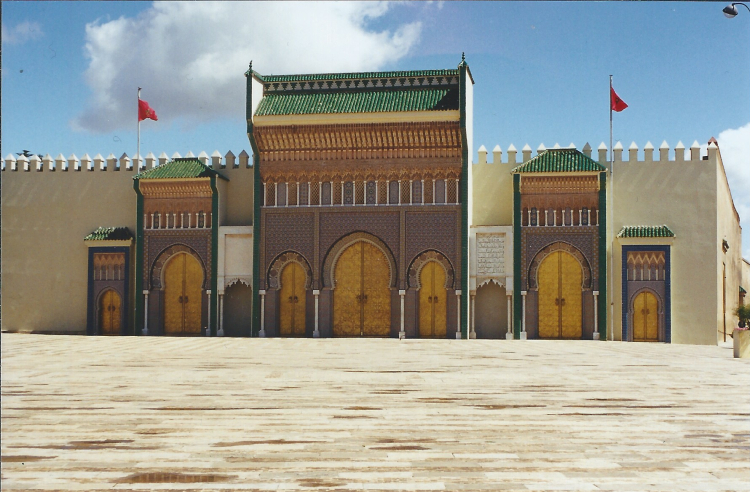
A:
{"x":734,"y":145}
{"x":189,"y":57}
{"x":21,"y":33}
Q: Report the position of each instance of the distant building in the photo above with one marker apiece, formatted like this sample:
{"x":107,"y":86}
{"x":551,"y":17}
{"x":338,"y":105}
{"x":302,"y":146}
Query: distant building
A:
{"x":360,"y":214}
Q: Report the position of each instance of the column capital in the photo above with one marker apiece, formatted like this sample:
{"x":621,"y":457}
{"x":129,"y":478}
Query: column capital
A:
{"x":402,"y":292}
{"x":315,"y":292}
{"x":145,"y":292}
{"x":523,"y":292}
{"x":596,"y":292}
{"x":458,"y":292}
{"x":262,"y":292}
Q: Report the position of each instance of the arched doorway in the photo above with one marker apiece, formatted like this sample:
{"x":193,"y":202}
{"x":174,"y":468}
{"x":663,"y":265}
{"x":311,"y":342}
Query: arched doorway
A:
{"x":491,"y":311}
{"x":183,"y":277}
{"x":559,"y":278}
{"x":432,"y":301}
{"x":238,"y":310}
{"x":292,"y":301}
{"x":362,"y":297}
{"x":110,"y":313}
{"x":645,"y":317}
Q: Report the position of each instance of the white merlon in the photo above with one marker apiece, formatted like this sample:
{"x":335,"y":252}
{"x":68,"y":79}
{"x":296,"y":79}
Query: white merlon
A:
{"x":203,"y":157}
{"x":526,"y":153}
{"x":512,"y":148}
{"x":150,"y":160}
{"x":679,"y":152}
{"x":633,"y":152}
{"x":176,"y":155}
{"x":541,"y":148}
{"x":111,"y":162}
{"x":98,"y":161}
{"x":602,"y":146}
{"x":244,"y":159}
{"x":36,"y":162}
{"x":23,"y":162}
{"x":572,"y":146}
{"x":618,"y":145}
{"x":664,"y":151}
{"x":617,"y":150}
{"x":557,"y":145}
{"x":695,"y":151}
{"x":649,"y":145}
{"x":124,"y":162}
{"x":190,"y":154}
{"x":587,"y":150}
{"x":61,"y":163}
{"x":49,"y":162}
{"x":633,"y":146}
{"x":497,"y":155}
{"x":85,"y":162}
{"x":216,"y":160}
{"x":482,"y":155}
{"x":163,"y":158}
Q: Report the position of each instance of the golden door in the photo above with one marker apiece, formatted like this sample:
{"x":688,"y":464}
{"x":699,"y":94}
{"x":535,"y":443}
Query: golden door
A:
{"x":559,"y":279}
{"x":110,"y":314}
{"x":362,"y":297}
{"x":183,"y":278}
{"x":645,"y":318}
{"x":432,"y":301}
{"x":292,"y":301}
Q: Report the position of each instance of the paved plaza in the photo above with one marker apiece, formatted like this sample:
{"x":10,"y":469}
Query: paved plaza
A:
{"x":136,"y":413}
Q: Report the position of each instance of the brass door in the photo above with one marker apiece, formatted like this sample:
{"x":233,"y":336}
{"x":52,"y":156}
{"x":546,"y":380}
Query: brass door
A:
{"x":292,"y":301}
{"x":432,"y":301}
{"x":645,"y":318}
{"x":362,"y":297}
{"x":559,"y":279}
{"x":183,"y":297}
{"x":110,"y":314}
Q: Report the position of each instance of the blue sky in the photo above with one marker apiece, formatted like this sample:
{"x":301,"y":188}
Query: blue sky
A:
{"x":70,"y":70}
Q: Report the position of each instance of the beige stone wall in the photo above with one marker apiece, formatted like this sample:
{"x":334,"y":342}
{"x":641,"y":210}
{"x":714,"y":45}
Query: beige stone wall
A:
{"x":728,"y":228}
{"x":682,"y":195}
{"x":492,"y":190}
{"x":46,"y":215}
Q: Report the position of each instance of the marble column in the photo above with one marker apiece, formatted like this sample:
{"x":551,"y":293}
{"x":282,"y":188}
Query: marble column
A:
{"x":402,"y":332}
{"x":145,"y":313}
{"x":509,"y":335}
{"x":220,"y":331}
{"x":208,"y":326}
{"x":523,"y":315}
{"x":458,"y":315}
{"x":262,"y":332}
{"x":473,"y":333}
{"x":596,"y":315}
{"x":316,"y":333}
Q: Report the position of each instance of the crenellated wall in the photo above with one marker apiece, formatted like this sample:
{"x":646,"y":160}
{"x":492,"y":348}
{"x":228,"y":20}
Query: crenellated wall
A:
{"x":687,"y":190}
{"x":50,"y":204}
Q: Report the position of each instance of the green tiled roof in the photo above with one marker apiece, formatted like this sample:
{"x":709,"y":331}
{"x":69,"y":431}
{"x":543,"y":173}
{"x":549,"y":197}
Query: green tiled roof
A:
{"x":645,"y":231}
{"x":359,"y":102}
{"x":185,"y":167}
{"x":110,"y":234}
{"x":559,"y":161}
{"x":357,"y":75}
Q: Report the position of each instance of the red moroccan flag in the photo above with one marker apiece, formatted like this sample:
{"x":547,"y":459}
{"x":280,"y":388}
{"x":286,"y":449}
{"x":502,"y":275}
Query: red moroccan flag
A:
{"x":615,"y":103}
{"x":145,"y":111}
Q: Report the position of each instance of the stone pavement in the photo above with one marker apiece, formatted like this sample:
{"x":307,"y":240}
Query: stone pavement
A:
{"x":134,"y":413}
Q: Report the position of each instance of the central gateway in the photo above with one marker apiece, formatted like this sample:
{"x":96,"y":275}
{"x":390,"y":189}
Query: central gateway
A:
{"x":362,"y":298}
{"x":360,"y":210}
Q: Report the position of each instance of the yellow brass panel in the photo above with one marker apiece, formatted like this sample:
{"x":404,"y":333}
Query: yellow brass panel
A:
{"x":174,"y":274}
{"x":426,"y":312}
{"x":292,"y":301}
{"x":439,"y":301}
{"x":193,"y":299}
{"x":548,"y":280}
{"x":645,"y":318}
{"x":639,"y":317}
{"x":110,"y":313}
{"x":571,"y":279}
{"x":347,"y":310}
{"x":652,"y":318}
{"x":376,"y":306}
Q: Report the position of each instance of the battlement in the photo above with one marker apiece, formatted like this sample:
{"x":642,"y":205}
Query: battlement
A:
{"x":677,"y":154}
{"x":112,"y":163}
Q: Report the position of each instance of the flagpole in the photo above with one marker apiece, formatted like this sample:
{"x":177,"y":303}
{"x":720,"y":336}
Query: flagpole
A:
{"x":611,"y":335}
{"x":138,"y":154}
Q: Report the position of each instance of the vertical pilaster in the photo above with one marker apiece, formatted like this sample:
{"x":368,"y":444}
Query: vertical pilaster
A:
{"x":220,"y":332}
{"x":145,"y":313}
{"x":402,"y":331}
{"x":509,"y":334}
{"x":316,"y":332}
{"x":262,"y":332}
{"x":458,"y":315}
{"x":523,"y":315}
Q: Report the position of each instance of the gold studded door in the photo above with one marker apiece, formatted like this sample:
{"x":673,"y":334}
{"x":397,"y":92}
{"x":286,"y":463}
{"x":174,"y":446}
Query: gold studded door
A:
{"x":376,"y":294}
{"x":362,"y":297}
{"x":347,"y":310}
{"x":432,"y":302}
{"x":292,"y":301}
{"x":548,"y":282}
{"x":559,"y":279}
{"x":110,"y":314}
{"x":183,"y":278}
{"x":645,"y":318}
{"x":571,"y":279}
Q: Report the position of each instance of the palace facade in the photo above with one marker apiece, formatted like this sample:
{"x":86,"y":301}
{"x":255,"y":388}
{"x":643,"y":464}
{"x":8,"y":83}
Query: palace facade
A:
{"x":359,"y":213}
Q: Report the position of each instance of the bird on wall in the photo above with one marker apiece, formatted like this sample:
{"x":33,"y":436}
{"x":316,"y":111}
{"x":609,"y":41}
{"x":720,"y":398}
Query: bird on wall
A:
{"x":27,"y":154}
